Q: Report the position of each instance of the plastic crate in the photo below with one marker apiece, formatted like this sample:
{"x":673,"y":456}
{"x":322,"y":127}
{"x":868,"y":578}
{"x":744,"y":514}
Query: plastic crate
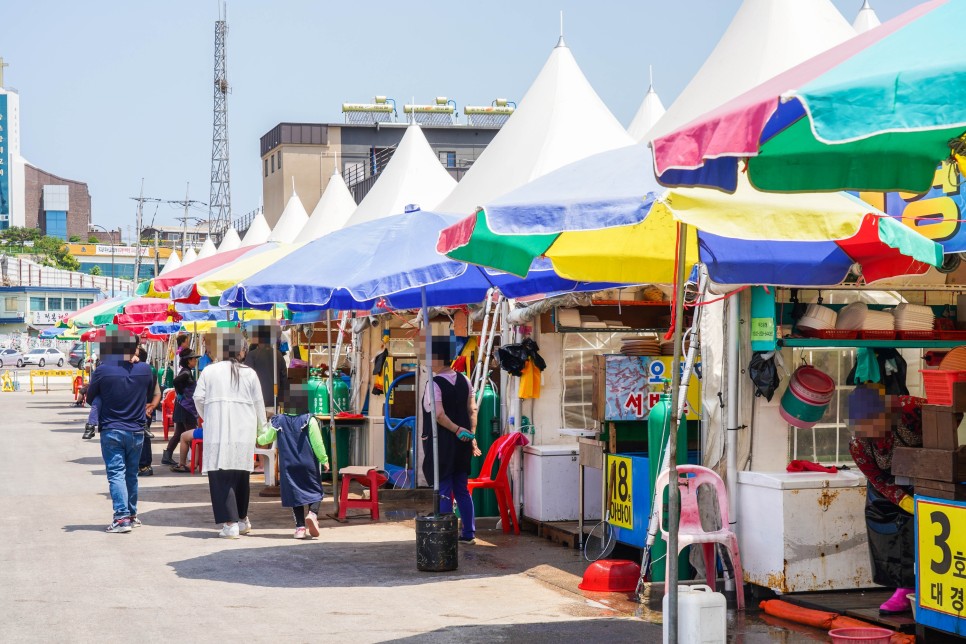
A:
{"x":916,"y":335}
{"x":939,"y":385}
{"x":877,"y":335}
{"x":834,"y":334}
{"x":952,"y":335}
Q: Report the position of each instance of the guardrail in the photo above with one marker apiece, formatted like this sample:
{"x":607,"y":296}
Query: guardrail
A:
{"x":47,"y":374}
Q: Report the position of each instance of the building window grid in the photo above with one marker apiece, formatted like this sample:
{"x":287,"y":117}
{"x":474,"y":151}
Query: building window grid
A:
{"x":266,"y":167}
{"x":85,"y":301}
{"x":10,"y":304}
{"x":54,"y":304}
{"x":273,"y":163}
{"x":70,"y":303}
{"x":38,"y":304}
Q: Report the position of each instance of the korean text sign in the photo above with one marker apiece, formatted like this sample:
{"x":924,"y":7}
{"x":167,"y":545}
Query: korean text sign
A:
{"x":941,"y":563}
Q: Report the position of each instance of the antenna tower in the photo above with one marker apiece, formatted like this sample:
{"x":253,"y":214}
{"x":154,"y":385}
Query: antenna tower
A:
{"x":219,"y":203}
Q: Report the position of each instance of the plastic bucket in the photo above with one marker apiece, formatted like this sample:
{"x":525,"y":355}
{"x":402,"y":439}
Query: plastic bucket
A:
{"x":437,"y":543}
{"x":865,"y":635}
{"x":810,"y":384}
{"x":800,"y":413}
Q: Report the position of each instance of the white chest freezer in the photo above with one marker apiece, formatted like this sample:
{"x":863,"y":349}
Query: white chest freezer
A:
{"x":550,"y":484}
{"x":803,"y":531}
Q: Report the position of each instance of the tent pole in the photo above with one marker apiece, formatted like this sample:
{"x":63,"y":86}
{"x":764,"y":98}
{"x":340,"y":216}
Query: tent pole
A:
{"x":427,"y":328}
{"x":674,"y":501}
{"x":333,"y":440}
{"x":734,"y":337}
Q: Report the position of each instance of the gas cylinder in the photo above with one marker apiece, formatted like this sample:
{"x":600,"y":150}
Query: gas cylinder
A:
{"x":487,"y":431}
{"x":658,"y":426}
{"x":318,"y":388}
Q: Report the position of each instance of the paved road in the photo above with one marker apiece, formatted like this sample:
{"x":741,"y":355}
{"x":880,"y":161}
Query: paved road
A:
{"x":63,"y":578}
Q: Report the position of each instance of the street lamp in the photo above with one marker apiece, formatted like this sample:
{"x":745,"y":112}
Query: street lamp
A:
{"x":111,"y":233}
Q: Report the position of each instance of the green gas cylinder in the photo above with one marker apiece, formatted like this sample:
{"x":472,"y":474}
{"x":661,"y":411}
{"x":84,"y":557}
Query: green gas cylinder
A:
{"x":487,"y":431}
{"x":658,"y":427}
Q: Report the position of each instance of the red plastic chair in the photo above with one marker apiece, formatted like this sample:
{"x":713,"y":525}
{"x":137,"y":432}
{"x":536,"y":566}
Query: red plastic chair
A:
{"x":502,"y":449}
{"x":167,"y":410}
{"x":690,"y":478}
{"x":197,"y":450}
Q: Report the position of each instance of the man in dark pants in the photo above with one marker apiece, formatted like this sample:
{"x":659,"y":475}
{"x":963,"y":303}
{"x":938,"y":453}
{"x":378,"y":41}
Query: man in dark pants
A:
{"x":124,"y":388}
{"x":144,"y":464}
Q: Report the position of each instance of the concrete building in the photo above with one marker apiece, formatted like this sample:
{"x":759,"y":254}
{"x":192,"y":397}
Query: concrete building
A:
{"x":38,"y":307}
{"x":308,"y":153}
{"x":31,"y":197}
{"x":178,"y":238}
{"x":118,"y":262}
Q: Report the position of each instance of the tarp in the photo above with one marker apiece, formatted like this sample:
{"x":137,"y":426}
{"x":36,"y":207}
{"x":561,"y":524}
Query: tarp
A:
{"x":413,"y":175}
{"x":332,"y":212}
{"x":559,"y":120}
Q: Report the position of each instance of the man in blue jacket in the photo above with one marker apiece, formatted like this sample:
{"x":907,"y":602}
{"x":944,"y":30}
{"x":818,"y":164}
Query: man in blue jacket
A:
{"x":123,"y":388}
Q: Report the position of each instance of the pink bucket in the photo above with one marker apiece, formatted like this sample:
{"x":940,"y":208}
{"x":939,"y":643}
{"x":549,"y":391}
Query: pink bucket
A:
{"x":864,"y":635}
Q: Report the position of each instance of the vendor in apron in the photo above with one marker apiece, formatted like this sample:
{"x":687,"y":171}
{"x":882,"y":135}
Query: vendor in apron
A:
{"x":881,"y":423}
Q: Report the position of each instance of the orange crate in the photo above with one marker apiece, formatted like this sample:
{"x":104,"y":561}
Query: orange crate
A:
{"x":939,"y":385}
{"x":877,"y":335}
{"x":916,"y":335}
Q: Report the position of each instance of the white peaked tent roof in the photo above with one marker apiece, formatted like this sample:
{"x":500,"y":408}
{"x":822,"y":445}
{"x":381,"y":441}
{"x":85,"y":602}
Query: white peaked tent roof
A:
{"x":765,"y":38}
{"x":207,"y":249}
{"x":172,"y":264}
{"x":230,"y":241}
{"x":257,"y":233}
{"x":291,"y":222}
{"x":414,"y":175}
{"x":866,"y":19}
{"x":561,"y":119}
{"x":332,"y":212}
{"x":648,"y":114}
{"x":189,"y":257}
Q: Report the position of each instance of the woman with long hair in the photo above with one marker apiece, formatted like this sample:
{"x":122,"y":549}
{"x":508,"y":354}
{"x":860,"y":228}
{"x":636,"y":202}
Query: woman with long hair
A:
{"x":229,"y":399}
{"x":185,"y":416}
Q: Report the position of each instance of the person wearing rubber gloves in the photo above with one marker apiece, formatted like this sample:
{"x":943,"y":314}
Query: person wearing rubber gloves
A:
{"x":880,"y":424}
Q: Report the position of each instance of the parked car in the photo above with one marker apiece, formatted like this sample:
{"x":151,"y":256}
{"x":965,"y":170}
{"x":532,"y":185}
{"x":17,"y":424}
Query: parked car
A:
{"x":43,"y":357}
{"x":77,"y":355}
{"x":10,"y":357}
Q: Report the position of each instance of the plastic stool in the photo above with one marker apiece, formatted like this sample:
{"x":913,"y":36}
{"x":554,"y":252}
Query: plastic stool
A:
{"x":197,"y":448}
{"x":270,"y":469}
{"x":368,"y":477}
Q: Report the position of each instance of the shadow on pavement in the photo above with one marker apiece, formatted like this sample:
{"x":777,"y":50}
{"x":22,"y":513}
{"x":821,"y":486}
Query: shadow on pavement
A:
{"x":320,"y":564}
{"x":88,"y":460}
{"x":586,"y":630}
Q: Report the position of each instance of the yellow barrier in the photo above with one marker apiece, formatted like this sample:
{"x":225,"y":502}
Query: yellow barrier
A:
{"x":6,"y":380}
{"x":47,"y":374}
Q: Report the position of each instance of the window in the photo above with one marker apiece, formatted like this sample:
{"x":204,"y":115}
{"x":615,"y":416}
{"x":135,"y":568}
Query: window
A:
{"x":55,"y":224}
{"x":266,"y":167}
{"x":10,"y":303}
{"x":448,"y":159}
{"x":85,"y":301}
{"x":279,"y":159}
{"x":273,"y":163}
{"x":70,"y":303}
{"x":38,"y":304}
{"x":54,"y":304}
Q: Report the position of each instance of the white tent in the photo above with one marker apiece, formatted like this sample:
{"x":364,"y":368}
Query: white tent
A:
{"x":561,"y":119}
{"x":332,"y":212}
{"x":207,"y":249}
{"x":648,"y":114}
{"x":230,"y":241}
{"x":172,"y":264}
{"x":257,"y":233}
{"x":765,"y":38}
{"x":414,"y":175}
{"x":189,"y":257}
{"x":292,"y":221}
{"x":866,"y":19}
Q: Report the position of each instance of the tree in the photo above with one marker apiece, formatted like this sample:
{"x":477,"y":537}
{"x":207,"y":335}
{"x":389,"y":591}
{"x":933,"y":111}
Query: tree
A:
{"x":74,"y":239}
{"x":93,"y":240}
{"x":19,"y":236}
{"x":95,"y":271}
{"x":53,"y":252}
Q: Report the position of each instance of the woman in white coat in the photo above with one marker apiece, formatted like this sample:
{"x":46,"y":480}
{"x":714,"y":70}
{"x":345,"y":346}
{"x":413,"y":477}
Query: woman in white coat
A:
{"x":229,"y":398}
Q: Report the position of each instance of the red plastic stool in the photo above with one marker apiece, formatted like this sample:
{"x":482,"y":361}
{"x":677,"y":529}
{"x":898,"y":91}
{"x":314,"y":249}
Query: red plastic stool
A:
{"x":368,"y":477}
{"x":197,"y":449}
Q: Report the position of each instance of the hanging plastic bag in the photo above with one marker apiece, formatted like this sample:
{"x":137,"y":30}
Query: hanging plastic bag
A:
{"x":763,"y":371}
{"x":512,"y":358}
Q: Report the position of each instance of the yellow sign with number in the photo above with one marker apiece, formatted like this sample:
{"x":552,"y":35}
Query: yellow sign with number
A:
{"x":941,"y":555}
{"x":620,"y":486}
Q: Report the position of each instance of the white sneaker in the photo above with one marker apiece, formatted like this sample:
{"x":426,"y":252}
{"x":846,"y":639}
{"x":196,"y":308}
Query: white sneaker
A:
{"x":244,"y":525}
{"x":229,"y":531}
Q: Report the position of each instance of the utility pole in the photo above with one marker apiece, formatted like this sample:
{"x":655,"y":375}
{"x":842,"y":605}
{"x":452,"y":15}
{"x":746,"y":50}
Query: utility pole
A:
{"x":186,"y":204}
{"x":137,"y":242}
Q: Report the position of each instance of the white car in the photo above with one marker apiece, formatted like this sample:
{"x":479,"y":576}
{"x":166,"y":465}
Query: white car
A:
{"x":43,"y":357}
{"x":10,"y":357}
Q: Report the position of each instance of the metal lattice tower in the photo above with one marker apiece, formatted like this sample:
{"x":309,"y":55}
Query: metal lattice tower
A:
{"x":219,"y":203}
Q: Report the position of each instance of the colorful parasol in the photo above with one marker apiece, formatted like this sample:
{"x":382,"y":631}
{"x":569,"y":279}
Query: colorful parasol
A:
{"x":809,"y":240}
{"x":878,"y":112}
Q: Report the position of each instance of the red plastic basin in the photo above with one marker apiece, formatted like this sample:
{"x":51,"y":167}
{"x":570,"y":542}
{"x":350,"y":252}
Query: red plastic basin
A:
{"x":611,"y":576}
{"x":864,"y":635}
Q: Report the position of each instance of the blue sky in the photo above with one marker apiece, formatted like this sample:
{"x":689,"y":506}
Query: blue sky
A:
{"x":115,"y":91}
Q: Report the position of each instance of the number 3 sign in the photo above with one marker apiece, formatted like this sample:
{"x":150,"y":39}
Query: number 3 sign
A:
{"x":941,"y":564}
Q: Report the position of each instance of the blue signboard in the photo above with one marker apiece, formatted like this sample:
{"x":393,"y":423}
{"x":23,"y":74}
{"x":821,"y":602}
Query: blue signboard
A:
{"x":938,"y":214}
{"x":4,"y":165}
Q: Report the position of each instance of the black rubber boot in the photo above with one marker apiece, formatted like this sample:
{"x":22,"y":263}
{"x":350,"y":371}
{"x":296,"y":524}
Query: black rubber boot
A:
{"x":166,"y":458}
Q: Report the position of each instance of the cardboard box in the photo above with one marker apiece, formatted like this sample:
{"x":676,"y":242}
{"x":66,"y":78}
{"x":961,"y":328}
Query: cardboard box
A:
{"x":940,"y":426}
{"x":937,"y":485}
{"x":941,"y":490}
{"x":938,"y":464}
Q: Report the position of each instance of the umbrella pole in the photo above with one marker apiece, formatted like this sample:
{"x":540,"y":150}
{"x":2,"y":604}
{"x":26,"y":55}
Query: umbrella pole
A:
{"x":334,"y":440}
{"x":432,"y":407}
{"x":674,"y":501}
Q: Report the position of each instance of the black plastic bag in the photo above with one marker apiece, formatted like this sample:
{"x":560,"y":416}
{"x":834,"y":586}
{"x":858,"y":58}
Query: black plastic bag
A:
{"x":764,"y":374}
{"x":892,"y":545}
{"x":513,"y":357}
